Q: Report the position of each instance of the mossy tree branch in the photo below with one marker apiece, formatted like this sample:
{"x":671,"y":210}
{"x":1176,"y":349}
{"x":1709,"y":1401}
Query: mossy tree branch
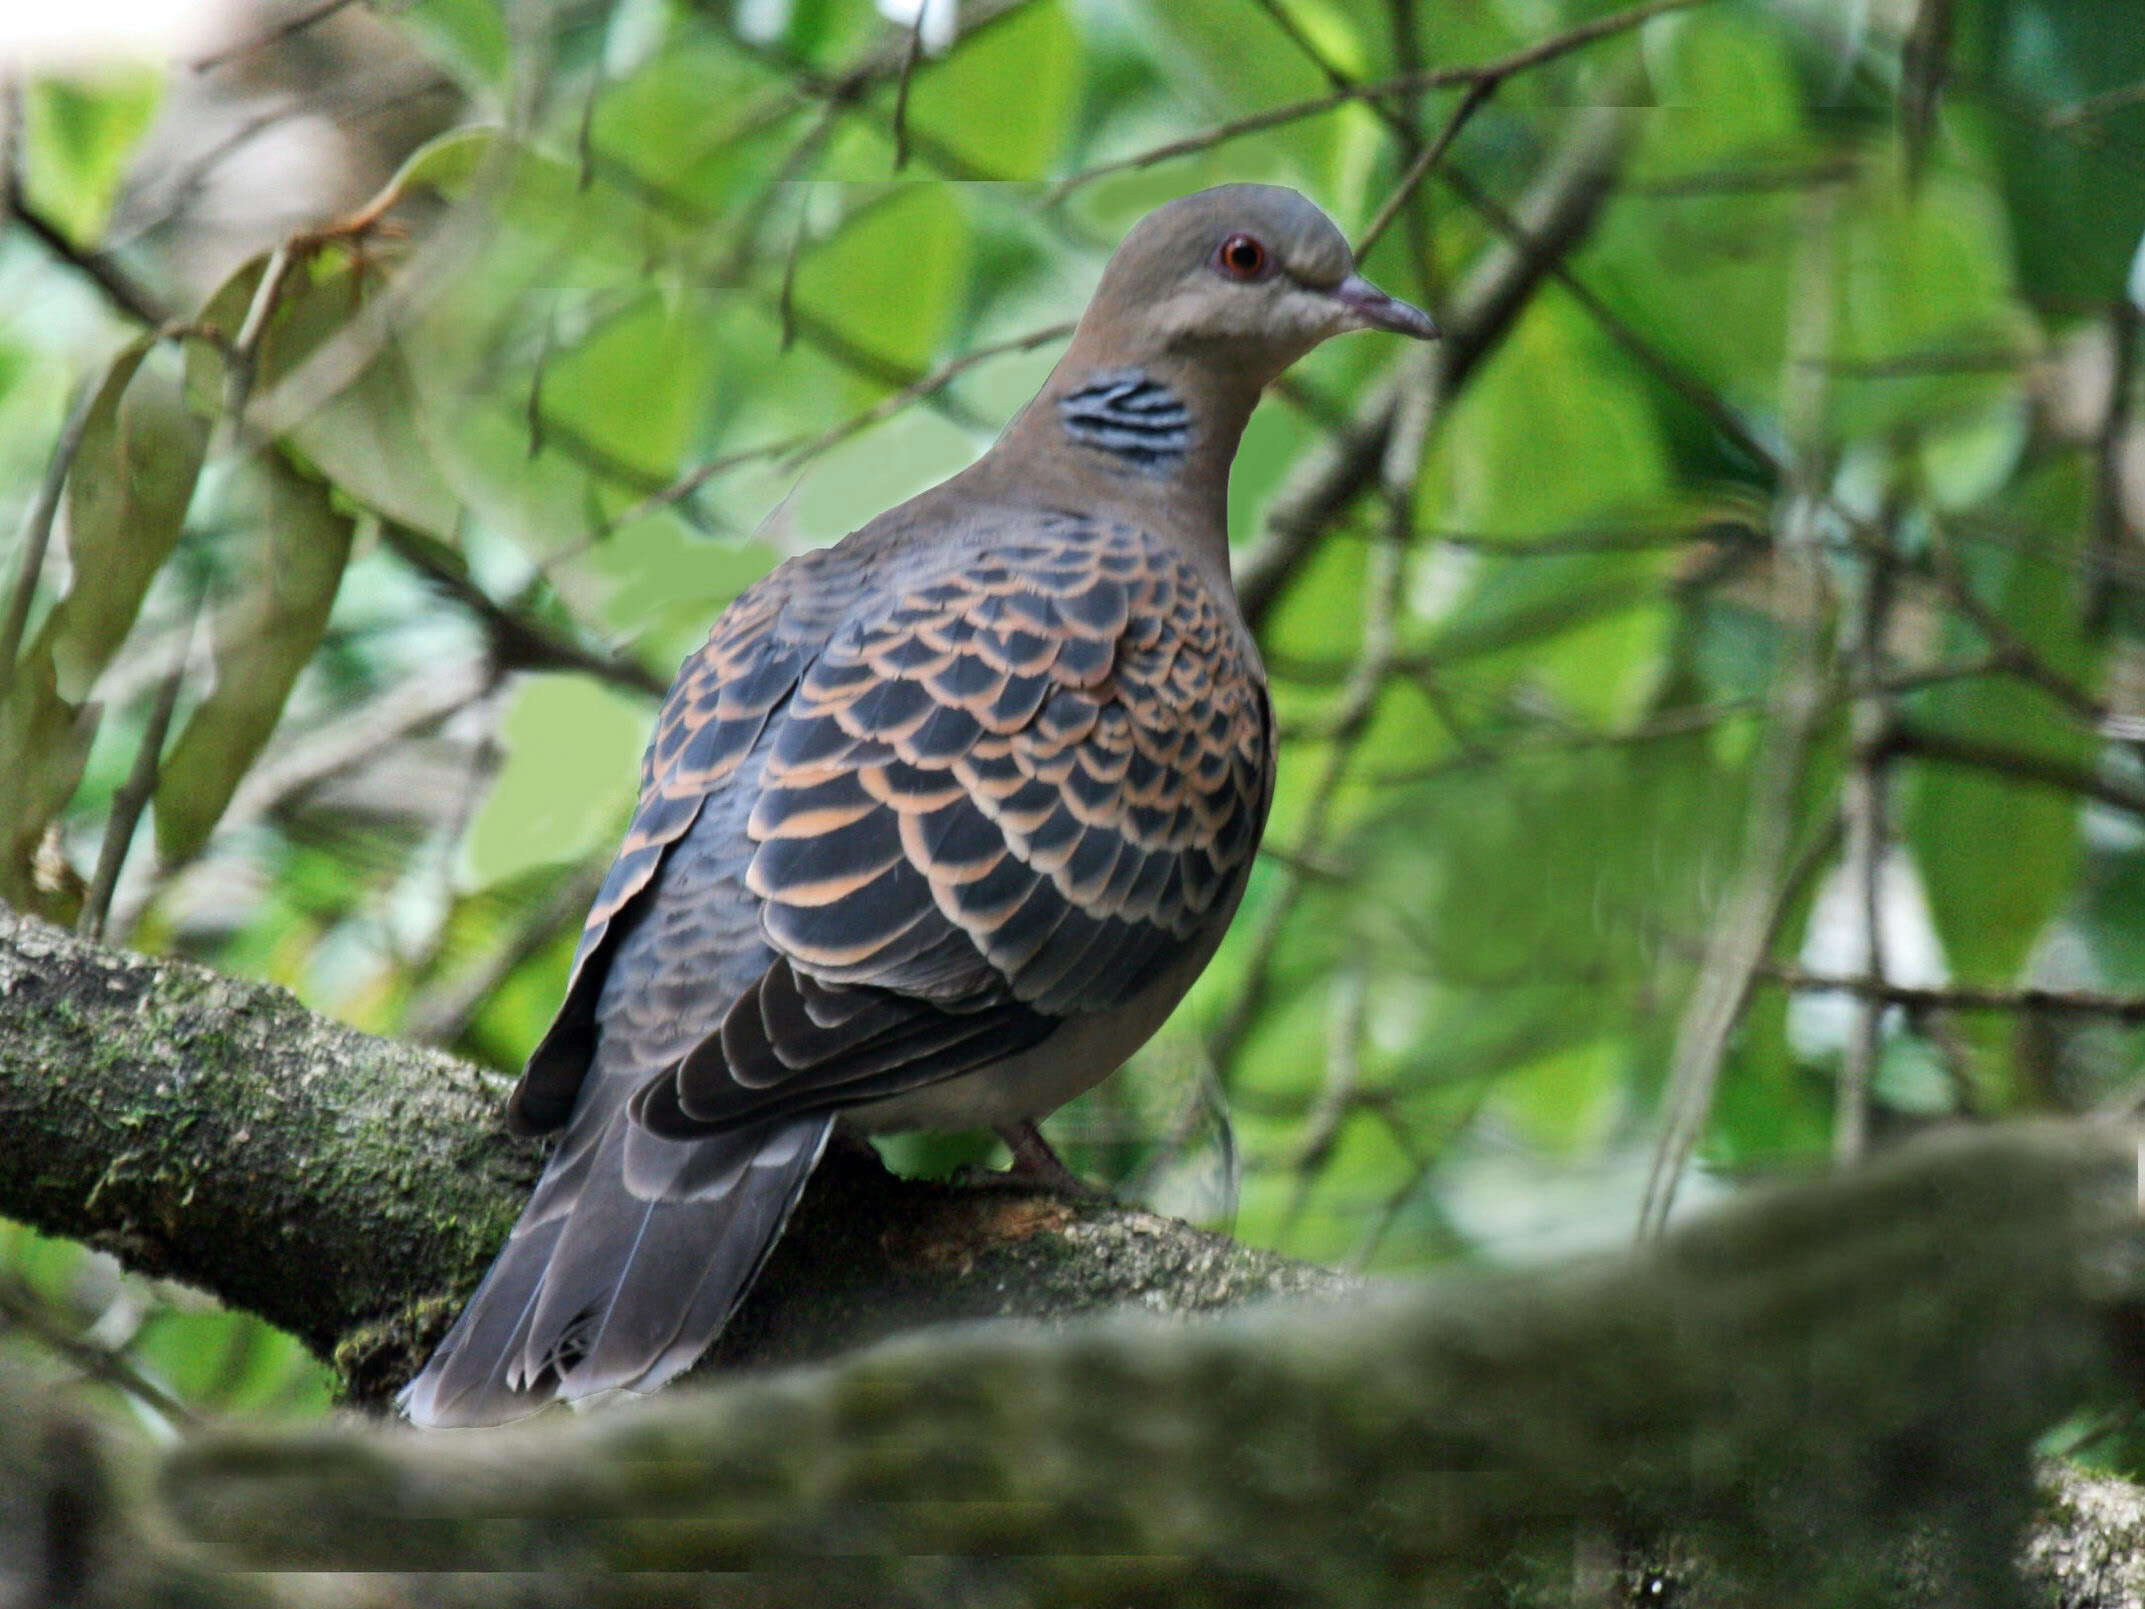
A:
{"x":350,"y":1189}
{"x":1822,"y":1395}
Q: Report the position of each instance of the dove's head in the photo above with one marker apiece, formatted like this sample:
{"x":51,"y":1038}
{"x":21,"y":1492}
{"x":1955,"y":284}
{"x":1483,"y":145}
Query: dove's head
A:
{"x":1209,"y":298}
{"x":1248,"y":275}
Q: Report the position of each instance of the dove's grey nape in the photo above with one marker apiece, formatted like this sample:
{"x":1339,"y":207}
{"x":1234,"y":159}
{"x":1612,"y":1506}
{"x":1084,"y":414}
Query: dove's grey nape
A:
{"x":935,"y":829}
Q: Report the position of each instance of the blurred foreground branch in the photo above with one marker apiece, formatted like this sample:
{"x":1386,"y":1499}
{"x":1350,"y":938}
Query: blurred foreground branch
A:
{"x":1825,"y":1393}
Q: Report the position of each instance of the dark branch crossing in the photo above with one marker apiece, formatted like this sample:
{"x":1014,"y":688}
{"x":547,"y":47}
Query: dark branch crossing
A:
{"x":1131,"y":417}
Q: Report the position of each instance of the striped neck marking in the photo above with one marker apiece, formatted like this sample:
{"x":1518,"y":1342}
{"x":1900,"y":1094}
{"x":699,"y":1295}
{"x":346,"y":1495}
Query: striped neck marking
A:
{"x":1131,"y":417}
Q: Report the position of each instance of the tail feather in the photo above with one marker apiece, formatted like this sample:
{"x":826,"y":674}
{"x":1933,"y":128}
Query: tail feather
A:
{"x":463,"y":1383}
{"x":656,"y":1328}
{"x":622,"y":1282}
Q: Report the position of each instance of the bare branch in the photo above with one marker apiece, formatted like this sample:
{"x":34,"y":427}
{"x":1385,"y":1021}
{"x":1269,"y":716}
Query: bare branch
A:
{"x":909,"y":54}
{"x":1518,"y":61}
{"x":23,"y":1307}
{"x":134,"y":793}
{"x":288,"y":28}
{"x":1890,"y":1341}
{"x":517,"y":640}
{"x":2125,"y":1008}
{"x":2112,"y":536}
{"x":1864,"y":805}
{"x":2019,"y":765}
{"x":120,"y":289}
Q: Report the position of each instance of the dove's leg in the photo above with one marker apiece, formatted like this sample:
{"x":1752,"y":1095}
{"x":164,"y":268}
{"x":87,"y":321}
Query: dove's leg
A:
{"x":1034,"y":1162}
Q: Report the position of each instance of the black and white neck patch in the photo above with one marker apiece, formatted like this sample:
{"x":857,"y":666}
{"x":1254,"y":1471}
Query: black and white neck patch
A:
{"x":1130,"y":416}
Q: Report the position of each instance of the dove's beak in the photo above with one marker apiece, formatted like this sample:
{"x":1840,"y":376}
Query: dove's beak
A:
{"x":1379,"y":311}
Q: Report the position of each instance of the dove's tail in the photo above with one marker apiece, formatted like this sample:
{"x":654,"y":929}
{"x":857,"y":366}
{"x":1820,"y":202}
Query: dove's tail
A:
{"x":631,"y":1256}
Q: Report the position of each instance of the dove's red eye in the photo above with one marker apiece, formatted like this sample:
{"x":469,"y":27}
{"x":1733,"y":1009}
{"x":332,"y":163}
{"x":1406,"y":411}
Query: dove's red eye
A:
{"x":1241,"y":257}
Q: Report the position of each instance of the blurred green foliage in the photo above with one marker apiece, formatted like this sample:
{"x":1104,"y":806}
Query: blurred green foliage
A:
{"x":422,"y":511}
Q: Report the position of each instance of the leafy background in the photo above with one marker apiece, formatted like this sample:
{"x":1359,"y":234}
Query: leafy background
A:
{"x":1746,"y":601}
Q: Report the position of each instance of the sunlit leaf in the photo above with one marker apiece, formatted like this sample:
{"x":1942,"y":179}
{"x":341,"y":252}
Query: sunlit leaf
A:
{"x":572,"y":749}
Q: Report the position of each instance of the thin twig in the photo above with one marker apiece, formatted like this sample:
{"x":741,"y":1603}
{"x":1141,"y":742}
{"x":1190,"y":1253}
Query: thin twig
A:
{"x":242,"y":354}
{"x":443,"y":1014}
{"x":910,"y":52}
{"x":134,"y":794}
{"x":1306,"y":47}
{"x":2111,"y":511}
{"x":1555,"y":738}
{"x":517,"y":640}
{"x":2128,"y":1008}
{"x":794,"y":168}
{"x":2037,"y":770}
{"x":1864,"y":807}
{"x":127,"y":295}
{"x":917,"y":390}
{"x":1925,"y":59}
{"x":1557,"y":211}
{"x":2019,"y":656}
{"x":37,"y":533}
{"x":294,"y":770}
{"x":853,"y":87}
{"x":2120,"y":98}
{"x":1385,"y":585}
{"x":1422,"y":246}
{"x":786,"y":297}
{"x":1702,"y":397}
{"x":1502,"y":67}
{"x":533,"y":407}
{"x":796,"y":451}
{"x":1347,"y":1004}
{"x":20,"y":1305}
{"x":297,"y":23}
{"x":1477,"y":96}
{"x":112,"y":282}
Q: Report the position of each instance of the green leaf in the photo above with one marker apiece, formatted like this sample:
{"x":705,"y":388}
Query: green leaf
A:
{"x":1697,"y":261}
{"x":1925,"y":280}
{"x":572,"y":754}
{"x":637,"y":384}
{"x":127,"y":494}
{"x":370,"y":437}
{"x":301,"y":545}
{"x":1521,"y":457}
{"x":888,"y":281}
{"x":81,"y":134}
{"x":2070,"y":184}
{"x":44,"y":744}
{"x":963,"y":101}
{"x":1550,"y":436}
{"x":1998,"y":856}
